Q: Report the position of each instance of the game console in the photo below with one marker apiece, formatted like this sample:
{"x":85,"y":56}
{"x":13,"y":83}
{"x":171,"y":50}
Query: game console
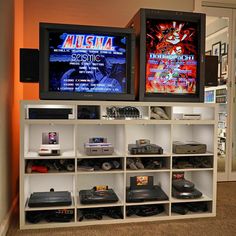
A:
{"x":98,"y":146}
{"x":48,"y":199}
{"x":50,"y":144}
{"x":142,"y":189}
{"x":189,"y":147}
{"x":49,"y":150}
{"x":50,"y":113}
{"x":98,"y":213}
{"x":184,"y":189}
{"x":143,"y":146}
{"x":188,"y":116}
{"x":98,"y":194}
{"x":61,"y":215}
{"x":145,"y":210}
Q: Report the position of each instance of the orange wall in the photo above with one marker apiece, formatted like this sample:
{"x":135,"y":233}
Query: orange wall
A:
{"x":17,"y":95}
{"x":89,"y":12}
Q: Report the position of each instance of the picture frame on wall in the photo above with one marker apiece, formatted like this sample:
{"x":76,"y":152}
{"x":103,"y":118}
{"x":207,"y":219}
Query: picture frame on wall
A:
{"x":223,"y":48}
{"x":216,"y":50}
{"x":208,"y":53}
{"x":224,"y":64}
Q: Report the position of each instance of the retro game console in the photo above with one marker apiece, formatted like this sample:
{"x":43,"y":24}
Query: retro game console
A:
{"x":98,"y":194}
{"x":49,"y":150}
{"x":189,"y":147}
{"x":98,"y":146}
{"x":50,"y":144}
{"x":182,"y":188}
{"x":50,"y":113}
{"x":188,"y":116}
{"x":48,"y":199}
{"x":142,"y":189}
{"x":143,"y":146}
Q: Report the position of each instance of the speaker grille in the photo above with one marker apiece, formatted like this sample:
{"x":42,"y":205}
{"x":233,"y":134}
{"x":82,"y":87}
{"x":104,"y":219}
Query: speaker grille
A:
{"x":29,"y":65}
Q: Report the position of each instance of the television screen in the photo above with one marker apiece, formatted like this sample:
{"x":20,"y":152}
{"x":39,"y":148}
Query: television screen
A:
{"x":171,"y":49}
{"x":84,"y":62}
{"x":171,"y":57}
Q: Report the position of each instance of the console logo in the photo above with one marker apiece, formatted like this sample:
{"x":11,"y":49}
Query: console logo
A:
{"x":92,"y":42}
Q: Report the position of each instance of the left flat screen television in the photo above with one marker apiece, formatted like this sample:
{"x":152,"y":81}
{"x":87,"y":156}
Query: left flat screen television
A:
{"x":79,"y":62}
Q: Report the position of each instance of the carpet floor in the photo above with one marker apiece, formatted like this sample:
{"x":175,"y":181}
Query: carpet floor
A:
{"x":224,"y":224}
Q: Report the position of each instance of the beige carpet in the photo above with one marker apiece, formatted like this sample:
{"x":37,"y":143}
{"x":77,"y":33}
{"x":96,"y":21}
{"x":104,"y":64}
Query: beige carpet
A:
{"x":222,"y":225}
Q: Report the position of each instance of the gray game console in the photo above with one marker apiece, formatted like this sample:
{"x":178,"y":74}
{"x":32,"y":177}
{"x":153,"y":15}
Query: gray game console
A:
{"x":189,"y":147}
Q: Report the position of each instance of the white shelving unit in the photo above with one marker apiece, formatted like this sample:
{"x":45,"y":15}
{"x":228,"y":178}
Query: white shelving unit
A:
{"x":73,"y":133}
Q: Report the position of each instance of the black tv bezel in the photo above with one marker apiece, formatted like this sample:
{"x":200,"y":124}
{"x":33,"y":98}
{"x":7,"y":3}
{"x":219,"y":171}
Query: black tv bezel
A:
{"x":44,"y":93}
{"x":199,"y":18}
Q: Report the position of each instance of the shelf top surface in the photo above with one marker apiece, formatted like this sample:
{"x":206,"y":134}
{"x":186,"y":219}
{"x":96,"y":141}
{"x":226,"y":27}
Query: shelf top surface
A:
{"x":126,"y":103}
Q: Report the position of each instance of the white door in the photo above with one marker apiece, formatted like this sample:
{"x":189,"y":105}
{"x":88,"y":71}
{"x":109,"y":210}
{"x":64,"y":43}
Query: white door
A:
{"x":219,"y":41}
{"x":232,"y":164}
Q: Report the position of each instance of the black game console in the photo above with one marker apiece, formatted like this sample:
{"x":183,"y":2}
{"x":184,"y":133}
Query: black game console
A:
{"x":96,"y":196}
{"x":184,"y":189}
{"x":143,"y":146}
{"x":98,"y":213}
{"x":184,"y":208}
{"x":142,"y":189}
{"x":48,"y":199}
{"x":50,"y":113}
{"x":145,"y":210}
{"x":65,"y":215}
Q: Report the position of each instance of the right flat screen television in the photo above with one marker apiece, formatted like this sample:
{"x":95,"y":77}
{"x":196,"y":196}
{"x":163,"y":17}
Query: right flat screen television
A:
{"x":170,"y":47}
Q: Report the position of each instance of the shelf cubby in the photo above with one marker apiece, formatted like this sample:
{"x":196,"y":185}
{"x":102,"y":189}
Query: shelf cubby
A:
{"x":198,"y":208}
{"x":33,"y":139}
{"x":197,"y":133}
{"x":157,"y":134}
{"x":164,"y":211}
{"x":113,"y":133}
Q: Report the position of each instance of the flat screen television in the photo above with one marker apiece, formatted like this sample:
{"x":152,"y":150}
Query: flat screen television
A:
{"x":86,"y":62}
{"x":171,"y":47}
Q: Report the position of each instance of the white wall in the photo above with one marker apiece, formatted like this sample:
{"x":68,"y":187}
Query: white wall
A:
{"x":6,"y":75}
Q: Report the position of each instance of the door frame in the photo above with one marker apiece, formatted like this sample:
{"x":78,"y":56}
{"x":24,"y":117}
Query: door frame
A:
{"x":225,"y":10}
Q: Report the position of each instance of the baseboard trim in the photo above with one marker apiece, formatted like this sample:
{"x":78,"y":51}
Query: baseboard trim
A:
{"x":7,"y":221}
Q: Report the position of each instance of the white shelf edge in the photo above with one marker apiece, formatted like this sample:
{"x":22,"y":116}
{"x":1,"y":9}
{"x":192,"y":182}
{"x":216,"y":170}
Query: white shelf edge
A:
{"x":100,"y":172}
{"x":48,"y":157}
{"x":192,"y":215}
{"x":148,"y":155}
{"x":49,"y":173}
{"x":192,"y":169}
{"x":64,"y":155}
{"x":147,"y":171}
{"x":204,"y":198}
{"x":147,"y":203}
{"x":45,"y":224}
{"x":192,"y":155}
{"x":81,"y":155}
{"x":48,"y":122}
{"x":114,"y":204}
